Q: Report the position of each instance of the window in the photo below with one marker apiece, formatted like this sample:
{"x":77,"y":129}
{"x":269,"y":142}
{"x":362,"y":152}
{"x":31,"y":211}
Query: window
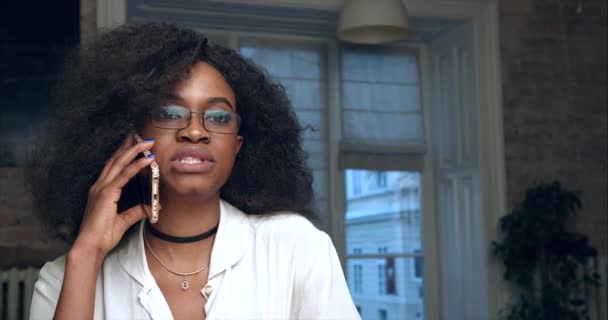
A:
{"x":381,"y":180}
{"x":382,"y":314}
{"x":358,"y":278}
{"x":376,"y":223}
{"x":386,"y":273}
{"x":381,"y":152}
{"x":356,"y":186}
{"x":382,"y":125}
{"x":381,"y":279}
{"x":390,"y":276}
{"x":417,"y":266}
{"x":300,"y":67}
{"x":356,"y":283}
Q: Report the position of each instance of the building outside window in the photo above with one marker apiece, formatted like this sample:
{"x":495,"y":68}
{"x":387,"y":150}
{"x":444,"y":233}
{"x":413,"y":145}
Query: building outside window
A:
{"x":378,"y":222}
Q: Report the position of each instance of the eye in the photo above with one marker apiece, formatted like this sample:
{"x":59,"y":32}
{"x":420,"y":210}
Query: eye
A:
{"x":170,"y":113}
{"x":218,"y":116}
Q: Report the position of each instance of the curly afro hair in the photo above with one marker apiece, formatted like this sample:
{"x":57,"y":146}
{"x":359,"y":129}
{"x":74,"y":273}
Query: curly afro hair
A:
{"x":106,"y":88}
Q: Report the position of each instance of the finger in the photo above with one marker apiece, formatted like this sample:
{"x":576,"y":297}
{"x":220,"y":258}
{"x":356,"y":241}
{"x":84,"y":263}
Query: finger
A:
{"x":129,"y":217}
{"x":126,"y":158}
{"x":147,"y":209}
{"x":126,"y":143}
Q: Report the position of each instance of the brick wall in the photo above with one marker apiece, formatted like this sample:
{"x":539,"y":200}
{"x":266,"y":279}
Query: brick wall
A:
{"x":23,"y":240}
{"x":555,"y":113}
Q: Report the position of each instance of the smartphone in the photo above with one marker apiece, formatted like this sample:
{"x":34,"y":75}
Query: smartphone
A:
{"x":141,"y":189}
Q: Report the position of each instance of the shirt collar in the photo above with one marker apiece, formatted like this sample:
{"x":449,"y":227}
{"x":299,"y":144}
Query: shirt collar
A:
{"x":233,"y":237}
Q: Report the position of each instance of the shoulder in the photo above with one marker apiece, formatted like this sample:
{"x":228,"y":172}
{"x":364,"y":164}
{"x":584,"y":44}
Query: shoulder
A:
{"x":290,"y":235}
{"x":47,"y":289}
{"x":52,"y":272}
{"x":285,"y":226}
{"x":278,"y":230}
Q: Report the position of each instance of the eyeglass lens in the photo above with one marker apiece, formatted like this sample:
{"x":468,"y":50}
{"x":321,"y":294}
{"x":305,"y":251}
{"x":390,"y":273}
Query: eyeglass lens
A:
{"x":178,"y":117}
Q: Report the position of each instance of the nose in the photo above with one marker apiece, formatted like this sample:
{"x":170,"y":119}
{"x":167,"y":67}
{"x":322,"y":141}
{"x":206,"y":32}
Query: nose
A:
{"x":195,"y":131}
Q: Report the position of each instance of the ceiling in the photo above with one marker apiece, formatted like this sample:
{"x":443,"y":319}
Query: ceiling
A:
{"x":264,"y":18}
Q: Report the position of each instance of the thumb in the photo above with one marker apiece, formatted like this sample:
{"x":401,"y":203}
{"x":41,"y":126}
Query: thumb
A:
{"x":131,"y":216}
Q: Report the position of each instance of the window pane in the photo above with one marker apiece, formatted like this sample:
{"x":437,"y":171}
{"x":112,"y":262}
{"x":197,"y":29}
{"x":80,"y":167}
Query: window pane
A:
{"x":300,"y":68}
{"x":393,"y":128}
{"x":381,"y":96}
{"x":383,"y":226}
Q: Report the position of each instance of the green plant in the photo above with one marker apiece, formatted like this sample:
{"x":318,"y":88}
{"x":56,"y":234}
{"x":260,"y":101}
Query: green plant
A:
{"x":550,"y":265}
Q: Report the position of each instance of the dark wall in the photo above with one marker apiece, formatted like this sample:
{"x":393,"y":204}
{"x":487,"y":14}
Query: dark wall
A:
{"x":555,"y":107}
{"x":34,"y":38}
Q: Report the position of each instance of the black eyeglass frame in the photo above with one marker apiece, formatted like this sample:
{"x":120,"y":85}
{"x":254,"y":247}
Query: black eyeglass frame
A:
{"x":236,"y":115}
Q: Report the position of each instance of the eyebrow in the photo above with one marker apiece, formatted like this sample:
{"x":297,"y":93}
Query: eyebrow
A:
{"x":220,"y":99}
{"x":210,"y":100}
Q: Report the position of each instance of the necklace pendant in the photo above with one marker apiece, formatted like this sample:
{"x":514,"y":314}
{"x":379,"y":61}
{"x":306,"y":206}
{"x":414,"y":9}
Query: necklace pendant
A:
{"x":185,"y":285}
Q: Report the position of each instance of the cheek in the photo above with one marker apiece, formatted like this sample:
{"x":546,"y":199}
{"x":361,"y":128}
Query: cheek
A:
{"x":229,"y":151}
{"x":147,"y":131}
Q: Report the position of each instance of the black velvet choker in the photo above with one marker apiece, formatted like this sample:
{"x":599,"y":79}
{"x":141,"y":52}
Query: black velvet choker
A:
{"x":170,"y":238}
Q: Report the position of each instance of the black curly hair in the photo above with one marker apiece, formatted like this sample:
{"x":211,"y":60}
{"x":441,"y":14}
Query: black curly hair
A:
{"x":106,"y":89}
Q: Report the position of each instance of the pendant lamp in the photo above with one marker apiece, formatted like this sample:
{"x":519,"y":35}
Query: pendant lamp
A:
{"x":373,"y":21}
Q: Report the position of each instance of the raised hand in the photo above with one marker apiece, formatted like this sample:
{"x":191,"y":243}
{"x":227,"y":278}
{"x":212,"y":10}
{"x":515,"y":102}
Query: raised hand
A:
{"x":102,"y":226}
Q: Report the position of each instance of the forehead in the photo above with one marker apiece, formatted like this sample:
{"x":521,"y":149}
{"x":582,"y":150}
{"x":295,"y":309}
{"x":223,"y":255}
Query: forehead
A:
{"x":203,"y":84}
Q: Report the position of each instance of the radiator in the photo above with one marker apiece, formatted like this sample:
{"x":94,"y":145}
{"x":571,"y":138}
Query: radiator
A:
{"x":16,"y":288}
{"x":598,"y":297}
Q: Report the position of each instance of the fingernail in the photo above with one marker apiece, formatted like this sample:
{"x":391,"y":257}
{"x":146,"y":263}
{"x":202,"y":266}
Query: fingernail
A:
{"x":149,"y":140}
{"x":150,"y":155}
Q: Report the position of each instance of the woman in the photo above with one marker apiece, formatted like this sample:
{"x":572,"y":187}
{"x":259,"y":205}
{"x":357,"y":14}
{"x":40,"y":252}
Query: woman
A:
{"x":233,"y":239}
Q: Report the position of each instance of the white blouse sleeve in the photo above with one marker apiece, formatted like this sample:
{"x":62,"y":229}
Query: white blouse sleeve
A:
{"x":47,"y":289}
{"x":323,"y":293}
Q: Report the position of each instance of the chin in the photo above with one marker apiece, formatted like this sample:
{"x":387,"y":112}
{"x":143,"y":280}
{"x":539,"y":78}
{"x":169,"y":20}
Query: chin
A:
{"x":190,"y":189}
{"x":198,"y":191}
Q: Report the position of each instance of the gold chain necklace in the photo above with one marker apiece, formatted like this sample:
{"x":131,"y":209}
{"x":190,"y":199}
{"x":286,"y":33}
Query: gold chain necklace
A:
{"x":185,"y":284}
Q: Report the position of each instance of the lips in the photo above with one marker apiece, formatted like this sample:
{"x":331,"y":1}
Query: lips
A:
{"x":192,"y":160}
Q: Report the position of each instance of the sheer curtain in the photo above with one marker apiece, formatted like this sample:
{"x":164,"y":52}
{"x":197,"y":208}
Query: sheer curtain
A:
{"x":301,"y":68}
{"x":382,"y":125}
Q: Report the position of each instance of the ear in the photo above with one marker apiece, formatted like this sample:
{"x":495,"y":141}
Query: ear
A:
{"x":239,"y":141}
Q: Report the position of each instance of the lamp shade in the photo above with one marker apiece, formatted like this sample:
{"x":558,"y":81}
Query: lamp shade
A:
{"x":373,"y":21}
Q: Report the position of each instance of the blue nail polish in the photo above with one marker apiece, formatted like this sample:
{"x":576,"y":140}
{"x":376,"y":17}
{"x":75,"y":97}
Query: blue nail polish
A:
{"x":149,"y":139}
{"x":150,"y":155}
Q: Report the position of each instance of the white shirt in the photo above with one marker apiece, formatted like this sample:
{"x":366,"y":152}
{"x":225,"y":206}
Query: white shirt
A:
{"x":262,"y":267}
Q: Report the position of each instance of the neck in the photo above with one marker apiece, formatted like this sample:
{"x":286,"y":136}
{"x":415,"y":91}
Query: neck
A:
{"x":185,"y":216}
{"x":169,"y":238}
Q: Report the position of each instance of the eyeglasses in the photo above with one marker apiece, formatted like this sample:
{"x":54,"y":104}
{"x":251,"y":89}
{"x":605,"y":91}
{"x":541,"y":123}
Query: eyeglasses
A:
{"x":215,"y":120}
